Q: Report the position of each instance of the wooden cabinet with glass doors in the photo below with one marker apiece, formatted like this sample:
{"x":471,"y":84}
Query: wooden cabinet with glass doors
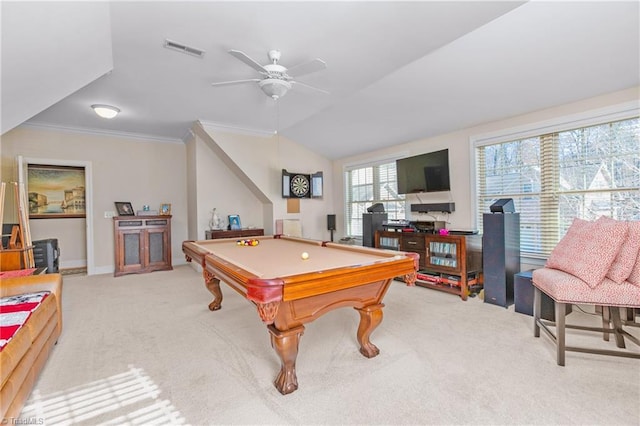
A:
{"x":451,"y":263}
{"x":142,"y":244}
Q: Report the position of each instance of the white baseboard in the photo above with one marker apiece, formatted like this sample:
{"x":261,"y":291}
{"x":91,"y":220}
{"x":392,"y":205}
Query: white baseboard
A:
{"x":109,"y":269}
{"x":99,"y":270}
{"x":67,"y":264}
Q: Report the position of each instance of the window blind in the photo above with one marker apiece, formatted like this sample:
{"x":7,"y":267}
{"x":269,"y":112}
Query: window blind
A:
{"x":555,"y":177}
{"x":369,"y":184}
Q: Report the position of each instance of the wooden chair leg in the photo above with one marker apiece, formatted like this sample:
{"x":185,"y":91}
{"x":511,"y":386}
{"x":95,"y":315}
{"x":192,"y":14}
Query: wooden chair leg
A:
{"x":560,"y":332}
{"x":537,"y":308}
{"x":606,"y":322}
{"x":617,"y":326}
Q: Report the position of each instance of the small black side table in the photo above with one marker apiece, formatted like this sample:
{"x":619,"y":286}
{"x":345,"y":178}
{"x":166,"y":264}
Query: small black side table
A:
{"x":523,"y":295}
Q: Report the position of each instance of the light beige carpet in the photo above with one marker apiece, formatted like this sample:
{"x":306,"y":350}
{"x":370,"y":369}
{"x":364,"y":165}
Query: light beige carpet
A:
{"x":144,"y":349}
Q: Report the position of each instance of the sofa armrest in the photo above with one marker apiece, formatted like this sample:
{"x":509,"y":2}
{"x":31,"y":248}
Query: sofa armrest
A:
{"x":32,"y":284}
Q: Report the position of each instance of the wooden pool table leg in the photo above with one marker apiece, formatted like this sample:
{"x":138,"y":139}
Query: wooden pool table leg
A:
{"x":213,"y":285}
{"x":285,"y":344}
{"x":370,"y":318}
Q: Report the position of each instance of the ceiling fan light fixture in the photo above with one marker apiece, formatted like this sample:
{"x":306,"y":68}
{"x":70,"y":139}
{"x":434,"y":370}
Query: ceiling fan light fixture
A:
{"x":274,"y":88}
{"x":105,"y":111}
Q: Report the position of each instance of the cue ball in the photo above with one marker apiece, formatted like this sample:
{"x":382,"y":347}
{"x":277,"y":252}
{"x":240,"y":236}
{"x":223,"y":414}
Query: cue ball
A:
{"x":305,"y":255}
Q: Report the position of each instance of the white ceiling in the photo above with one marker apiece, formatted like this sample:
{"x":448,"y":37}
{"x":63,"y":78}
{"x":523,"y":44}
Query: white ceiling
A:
{"x":396,"y":71}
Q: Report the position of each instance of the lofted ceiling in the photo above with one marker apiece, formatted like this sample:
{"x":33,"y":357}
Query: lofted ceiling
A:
{"x":396,"y":71}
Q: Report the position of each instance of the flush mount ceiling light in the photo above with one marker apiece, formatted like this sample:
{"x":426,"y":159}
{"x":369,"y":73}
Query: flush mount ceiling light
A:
{"x":105,"y":111}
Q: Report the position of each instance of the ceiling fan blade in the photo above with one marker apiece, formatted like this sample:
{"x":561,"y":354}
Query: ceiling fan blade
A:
{"x":310,"y":87}
{"x":224,"y":83}
{"x":247,"y":60}
{"x":307,"y":67}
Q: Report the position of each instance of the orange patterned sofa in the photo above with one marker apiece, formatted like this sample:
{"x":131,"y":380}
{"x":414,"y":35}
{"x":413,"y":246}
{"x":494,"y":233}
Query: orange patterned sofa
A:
{"x":24,"y":354}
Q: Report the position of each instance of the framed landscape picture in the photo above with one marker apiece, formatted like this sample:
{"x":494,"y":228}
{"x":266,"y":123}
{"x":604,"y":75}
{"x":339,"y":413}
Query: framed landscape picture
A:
{"x":56,"y":191}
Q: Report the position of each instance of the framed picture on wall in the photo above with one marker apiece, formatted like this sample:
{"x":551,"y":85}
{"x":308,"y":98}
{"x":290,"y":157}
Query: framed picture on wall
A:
{"x":56,"y":191}
{"x":165,"y":209}
{"x":234,"y":222}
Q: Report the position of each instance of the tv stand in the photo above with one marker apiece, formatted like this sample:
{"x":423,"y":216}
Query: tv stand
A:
{"x":450,"y":263}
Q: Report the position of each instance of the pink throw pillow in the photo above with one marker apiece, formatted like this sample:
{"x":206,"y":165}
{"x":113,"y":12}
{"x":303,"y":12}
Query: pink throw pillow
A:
{"x":634,"y":276}
{"x":623,"y":264}
{"x":588,"y":249}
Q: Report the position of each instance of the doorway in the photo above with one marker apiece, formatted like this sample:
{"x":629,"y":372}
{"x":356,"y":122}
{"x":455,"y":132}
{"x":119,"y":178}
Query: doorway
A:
{"x":49,"y":228}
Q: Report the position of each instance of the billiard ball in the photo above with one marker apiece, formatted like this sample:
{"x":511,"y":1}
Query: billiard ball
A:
{"x":305,"y":255}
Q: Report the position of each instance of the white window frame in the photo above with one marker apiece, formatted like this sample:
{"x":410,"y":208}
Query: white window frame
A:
{"x":358,"y":165}
{"x":623,"y":111}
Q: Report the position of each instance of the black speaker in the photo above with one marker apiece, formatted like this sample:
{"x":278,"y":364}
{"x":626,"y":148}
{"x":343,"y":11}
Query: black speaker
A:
{"x":372,"y":222}
{"x":503,"y":205}
{"x":500,"y":256}
{"x":376,"y":208}
{"x":331,"y":222}
{"x":434,"y":207}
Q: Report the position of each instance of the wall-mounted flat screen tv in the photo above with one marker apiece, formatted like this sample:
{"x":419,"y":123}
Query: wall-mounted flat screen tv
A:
{"x":424,"y":173}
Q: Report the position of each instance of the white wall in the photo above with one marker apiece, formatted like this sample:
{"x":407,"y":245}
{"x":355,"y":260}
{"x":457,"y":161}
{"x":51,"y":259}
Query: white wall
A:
{"x":216,"y":186}
{"x":124,"y":169}
{"x":460,"y":155}
{"x":261,"y":158}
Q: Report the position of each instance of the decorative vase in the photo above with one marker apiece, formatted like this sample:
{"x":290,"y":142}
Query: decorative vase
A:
{"x":216,"y":221}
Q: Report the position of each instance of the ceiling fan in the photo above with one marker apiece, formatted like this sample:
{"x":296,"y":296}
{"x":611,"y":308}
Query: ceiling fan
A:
{"x":276,"y":79}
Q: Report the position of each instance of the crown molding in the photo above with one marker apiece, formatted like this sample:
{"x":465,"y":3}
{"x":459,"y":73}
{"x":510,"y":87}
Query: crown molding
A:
{"x":100,"y":132}
{"x":237,"y":129}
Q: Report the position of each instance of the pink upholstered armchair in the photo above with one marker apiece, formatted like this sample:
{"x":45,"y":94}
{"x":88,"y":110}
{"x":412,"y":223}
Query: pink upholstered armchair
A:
{"x":596,"y":263}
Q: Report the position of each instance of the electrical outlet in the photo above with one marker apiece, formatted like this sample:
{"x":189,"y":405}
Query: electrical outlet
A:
{"x":109,"y":214}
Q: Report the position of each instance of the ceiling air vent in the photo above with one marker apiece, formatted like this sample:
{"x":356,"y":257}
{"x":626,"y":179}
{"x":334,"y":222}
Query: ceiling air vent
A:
{"x":170,"y":44}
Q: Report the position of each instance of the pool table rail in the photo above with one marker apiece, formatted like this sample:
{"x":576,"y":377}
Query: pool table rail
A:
{"x":328,"y":281}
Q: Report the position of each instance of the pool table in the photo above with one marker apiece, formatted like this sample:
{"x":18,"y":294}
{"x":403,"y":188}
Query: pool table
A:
{"x":290,"y":291}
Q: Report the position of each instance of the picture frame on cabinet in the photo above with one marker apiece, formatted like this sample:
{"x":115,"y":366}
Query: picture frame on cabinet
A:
{"x":124,"y":208}
{"x":234,"y":222}
{"x":165,"y":209}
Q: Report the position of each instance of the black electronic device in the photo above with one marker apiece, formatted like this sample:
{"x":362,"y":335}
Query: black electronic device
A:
{"x":434,"y":207}
{"x":372,"y":222}
{"x":376,"y":208}
{"x":500,"y":256}
{"x":46,"y":253}
{"x":503,"y":205}
{"x":424,"y":173}
{"x":397,"y":225}
{"x":430,"y":227}
{"x":331,"y":222}
{"x":463,"y":231}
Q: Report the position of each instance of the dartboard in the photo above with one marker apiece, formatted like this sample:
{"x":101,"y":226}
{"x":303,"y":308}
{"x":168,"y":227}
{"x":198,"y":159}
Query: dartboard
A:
{"x":299,"y":185}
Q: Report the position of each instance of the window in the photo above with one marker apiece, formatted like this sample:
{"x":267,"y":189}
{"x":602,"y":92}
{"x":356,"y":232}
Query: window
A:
{"x":584,"y":172}
{"x":367,"y":185}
